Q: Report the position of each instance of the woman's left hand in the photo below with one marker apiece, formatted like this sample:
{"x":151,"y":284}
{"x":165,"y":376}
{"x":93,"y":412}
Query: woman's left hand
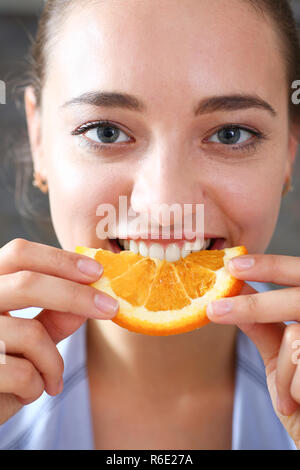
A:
{"x":260,"y":316}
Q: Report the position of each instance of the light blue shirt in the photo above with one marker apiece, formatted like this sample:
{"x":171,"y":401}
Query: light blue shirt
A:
{"x":64,"y":421}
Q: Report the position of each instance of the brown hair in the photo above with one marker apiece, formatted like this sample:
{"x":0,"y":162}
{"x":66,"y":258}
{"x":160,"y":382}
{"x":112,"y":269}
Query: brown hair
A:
{"x":54,"y":11}
{"x":278,"y":10}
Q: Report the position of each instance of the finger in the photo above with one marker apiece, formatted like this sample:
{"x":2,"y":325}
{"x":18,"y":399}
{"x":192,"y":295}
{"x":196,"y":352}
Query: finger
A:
{"x":267,"y":338}
{"x":286,"y":366}
{"x":30,"y":338}
{"x":27,"y":288}
{"x":60,"y":325}
{"x":266,"y":307}
{"x":19,"y":377}
{"x":12,"y":405}
{"x":278,"y":269}
{"x":22,"y":255}
{"x":295,"y":385}
{"x":246,"y":289}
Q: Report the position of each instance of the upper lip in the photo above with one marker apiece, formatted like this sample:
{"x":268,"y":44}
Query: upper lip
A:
{"x":171,"y":238}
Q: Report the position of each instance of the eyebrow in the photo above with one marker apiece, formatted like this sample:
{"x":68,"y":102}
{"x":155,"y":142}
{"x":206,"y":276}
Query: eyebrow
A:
{"x":211,"y":104}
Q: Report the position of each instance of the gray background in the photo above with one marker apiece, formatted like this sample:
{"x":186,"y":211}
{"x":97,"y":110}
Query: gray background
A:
{"x":18,"y":20}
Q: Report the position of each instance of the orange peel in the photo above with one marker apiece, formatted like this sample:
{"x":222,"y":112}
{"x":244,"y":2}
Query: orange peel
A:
{"x":161,"y":298}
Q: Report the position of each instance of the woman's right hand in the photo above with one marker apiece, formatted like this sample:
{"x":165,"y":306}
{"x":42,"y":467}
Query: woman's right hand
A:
{"x":32,"y":274}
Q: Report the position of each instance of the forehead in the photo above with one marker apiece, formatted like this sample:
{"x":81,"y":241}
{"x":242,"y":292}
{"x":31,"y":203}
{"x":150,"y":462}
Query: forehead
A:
{"x":161,"y":49}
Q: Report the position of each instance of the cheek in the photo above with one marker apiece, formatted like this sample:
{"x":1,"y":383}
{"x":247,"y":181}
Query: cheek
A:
{"x":252,"y":201}
{"x":75,"y":192}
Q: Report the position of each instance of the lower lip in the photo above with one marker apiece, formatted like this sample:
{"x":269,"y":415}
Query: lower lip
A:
{"x":218,"y":244}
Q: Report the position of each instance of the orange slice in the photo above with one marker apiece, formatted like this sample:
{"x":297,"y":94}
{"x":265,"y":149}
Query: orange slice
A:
{"x":161,"y":298}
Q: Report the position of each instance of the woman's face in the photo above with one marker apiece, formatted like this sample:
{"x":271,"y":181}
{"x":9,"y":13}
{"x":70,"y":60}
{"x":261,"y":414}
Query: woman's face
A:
{"x":175,"y":57}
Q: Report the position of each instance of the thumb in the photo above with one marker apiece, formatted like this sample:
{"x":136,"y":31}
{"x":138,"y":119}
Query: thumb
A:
{"x":267,"y":337}
{"x":60,"y":325}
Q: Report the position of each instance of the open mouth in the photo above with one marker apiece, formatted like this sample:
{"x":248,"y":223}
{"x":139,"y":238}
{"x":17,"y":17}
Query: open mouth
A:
{"x":170,"y":252}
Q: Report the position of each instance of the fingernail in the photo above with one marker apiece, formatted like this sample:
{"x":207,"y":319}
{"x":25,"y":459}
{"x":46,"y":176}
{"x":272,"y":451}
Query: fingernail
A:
{"x":89,"y":267}
{"x":219,"y":307}
{"x":106,"y":304}
{"x":241,"y":263}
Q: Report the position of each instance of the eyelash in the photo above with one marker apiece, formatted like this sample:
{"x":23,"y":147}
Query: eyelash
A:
{"x":248,"y":146}
{"x":258,"y":137}
{"x":93,"y":125}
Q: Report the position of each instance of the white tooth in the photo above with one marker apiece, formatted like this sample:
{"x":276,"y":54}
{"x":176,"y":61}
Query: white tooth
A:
{"x":133,"y":247}
{"x":143,"y":249}
{"x":184,"y":252}
{"x":197,"y":245}
{"x":172,"y":253}
{"x":157,"y":251}
{"x":126,"y":244}
{"x":187,"y":246}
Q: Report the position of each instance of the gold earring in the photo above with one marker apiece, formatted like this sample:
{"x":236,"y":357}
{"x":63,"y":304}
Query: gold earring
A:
{"x":288,"y":187}
{"x":39,"y":182}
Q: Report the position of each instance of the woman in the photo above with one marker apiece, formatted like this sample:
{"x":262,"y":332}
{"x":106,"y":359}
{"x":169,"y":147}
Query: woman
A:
{"x":162,"y":101}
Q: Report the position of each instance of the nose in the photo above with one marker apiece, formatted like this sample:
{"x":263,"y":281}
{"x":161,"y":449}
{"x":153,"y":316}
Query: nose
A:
{"x":165,"y":178}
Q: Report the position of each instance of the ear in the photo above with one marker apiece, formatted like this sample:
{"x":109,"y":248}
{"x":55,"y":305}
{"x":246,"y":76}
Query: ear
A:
{"x":34,"y":127}
{"x":293,"y":144}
